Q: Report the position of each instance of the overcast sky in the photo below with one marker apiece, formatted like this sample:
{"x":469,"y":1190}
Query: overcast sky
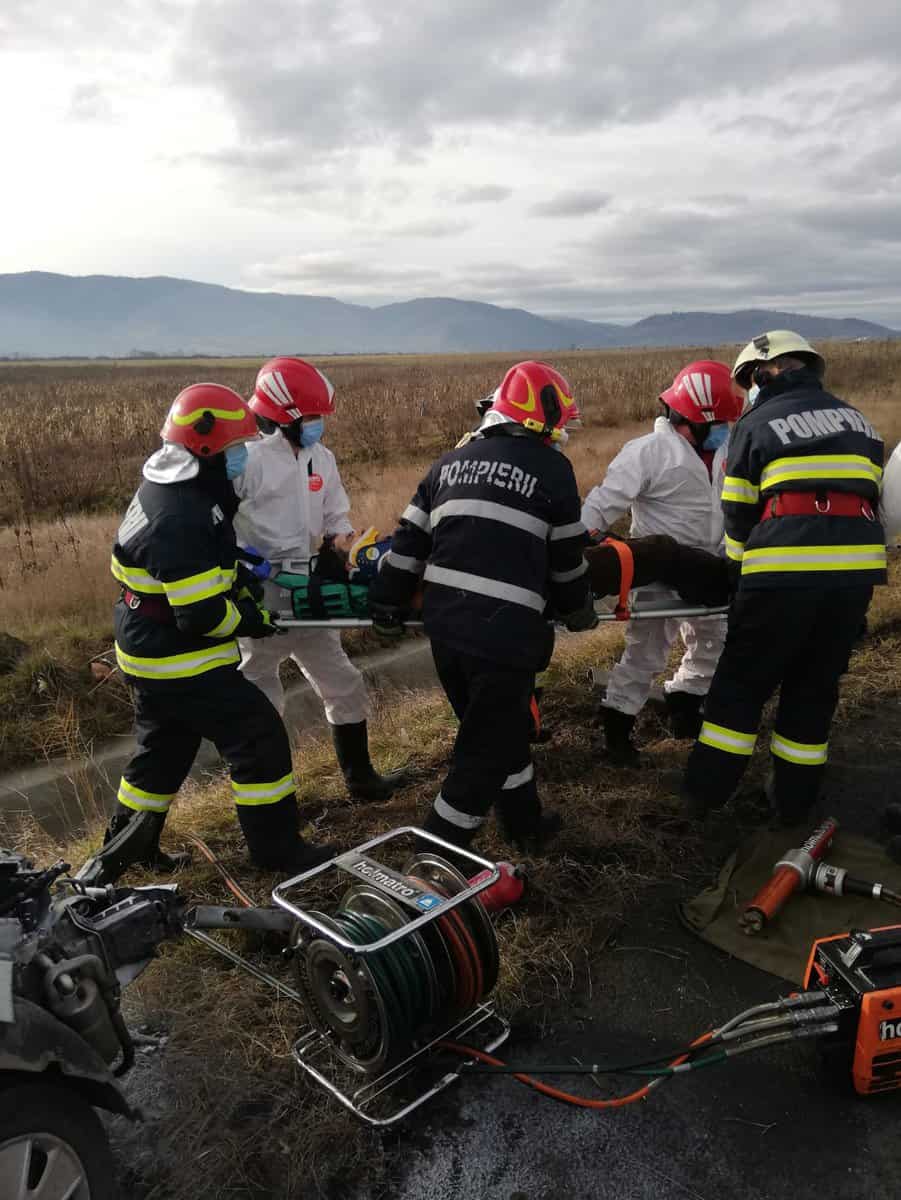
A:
{"x":596,"y":158}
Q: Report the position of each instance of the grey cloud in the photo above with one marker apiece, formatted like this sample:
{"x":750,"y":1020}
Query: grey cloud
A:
{"x":575,"y":203}
{"x":365,"y":73}
{"x":85,"y":25}
{"x":278,"y":164}
{"x":319,"y":91}
{"x":431,"y":229}
{"x":489,"y":193}
{"x":328,"y":271}
{"x":768,"y":255}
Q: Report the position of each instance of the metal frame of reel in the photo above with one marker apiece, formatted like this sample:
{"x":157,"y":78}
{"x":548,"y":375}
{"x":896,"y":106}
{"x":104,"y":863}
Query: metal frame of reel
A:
{"x":383,"y":1088}
{"x":381,"y":1071}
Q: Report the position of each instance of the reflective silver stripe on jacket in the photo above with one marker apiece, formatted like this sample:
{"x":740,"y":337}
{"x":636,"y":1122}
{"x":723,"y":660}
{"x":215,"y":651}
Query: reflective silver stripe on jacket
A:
{"x":484,"y":587}
{"x":568,"y":576}
{"x":417,"y":517}
{"x":490,"y":511}
{"x":404,"y":562}
{"x":559,"y":532}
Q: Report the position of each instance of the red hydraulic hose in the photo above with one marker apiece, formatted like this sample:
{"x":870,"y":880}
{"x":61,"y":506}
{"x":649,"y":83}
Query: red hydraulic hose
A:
{"x":569,"y":1097}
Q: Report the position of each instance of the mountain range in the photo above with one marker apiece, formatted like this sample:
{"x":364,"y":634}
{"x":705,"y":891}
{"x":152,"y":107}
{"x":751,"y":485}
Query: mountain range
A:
{"x":49,"y":315}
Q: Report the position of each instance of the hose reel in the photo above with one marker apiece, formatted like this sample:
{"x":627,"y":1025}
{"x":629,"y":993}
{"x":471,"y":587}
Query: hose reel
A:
{"x":405,"y":961}
{"x":378,"y":1008}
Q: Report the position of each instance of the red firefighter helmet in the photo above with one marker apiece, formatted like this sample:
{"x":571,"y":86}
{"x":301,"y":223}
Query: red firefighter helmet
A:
{"x":704,"y":392}
{"x":538,"y":397}
{"x":207,"y":418}
{"x":289,"y":389}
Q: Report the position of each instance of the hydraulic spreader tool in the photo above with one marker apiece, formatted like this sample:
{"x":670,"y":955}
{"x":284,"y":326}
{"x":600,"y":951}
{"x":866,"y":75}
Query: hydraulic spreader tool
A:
{"x":804,"y":869}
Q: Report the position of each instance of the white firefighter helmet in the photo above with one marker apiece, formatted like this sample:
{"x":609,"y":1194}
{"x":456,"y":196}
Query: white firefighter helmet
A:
{"x":890,"y":500}
{"x":768,"y":346}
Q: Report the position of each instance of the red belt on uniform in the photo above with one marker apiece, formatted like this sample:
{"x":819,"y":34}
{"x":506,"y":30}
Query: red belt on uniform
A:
{"x":824,"y":504}
{"x":154,"y":608}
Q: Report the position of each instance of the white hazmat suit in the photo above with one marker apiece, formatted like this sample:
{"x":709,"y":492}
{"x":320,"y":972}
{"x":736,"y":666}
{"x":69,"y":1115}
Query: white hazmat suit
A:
{"x":665,"y":483}
{"x":288,"y":504}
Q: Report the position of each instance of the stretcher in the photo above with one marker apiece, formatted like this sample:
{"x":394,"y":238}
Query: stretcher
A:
{"x":335,"y":595}
{"x":644,"y":612}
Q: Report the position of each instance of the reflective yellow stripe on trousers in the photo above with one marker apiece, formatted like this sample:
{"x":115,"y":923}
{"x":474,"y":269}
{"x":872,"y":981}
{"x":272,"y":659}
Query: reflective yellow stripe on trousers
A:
{"x":802,"y":754}
{"x":732,"y":741}
{"x":263,"y":793}
{"x":141,"y":801}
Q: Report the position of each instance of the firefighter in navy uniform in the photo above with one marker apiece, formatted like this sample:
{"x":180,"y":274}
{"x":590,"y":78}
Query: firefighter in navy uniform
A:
{"x":185,"y":600}
{"x":495,"y":534}
{"x":800,"y":502}
{"x":538,"y":731}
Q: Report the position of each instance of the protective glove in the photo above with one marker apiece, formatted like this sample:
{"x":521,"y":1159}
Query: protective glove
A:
{"x":582,"y":619}
{"x":257,"y":564}
{"x":247,"y":585}
{"x":388,"y":620}
{"x":256,"y":622}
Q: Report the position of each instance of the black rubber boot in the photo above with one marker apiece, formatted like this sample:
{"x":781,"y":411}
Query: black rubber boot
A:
{"x":362,"y":779}
{"x":618,"y":728}
{"x":531,"y":837}
{"x":454,"y":834}
{"x":694,"y":808}
{"x":790,"y":814}
{"x":450,"y":833}
{"x":274,"y":841}
{"x":684,"y":711}
{"x":132,"y":839}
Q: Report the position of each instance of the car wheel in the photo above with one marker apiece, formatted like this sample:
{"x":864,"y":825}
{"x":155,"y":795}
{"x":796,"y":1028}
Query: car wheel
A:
{"x":52,"y":1146}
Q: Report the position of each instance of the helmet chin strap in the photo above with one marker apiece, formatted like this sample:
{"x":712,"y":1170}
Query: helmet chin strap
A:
{"x":293,"y":432}
{"x":761,"y":375}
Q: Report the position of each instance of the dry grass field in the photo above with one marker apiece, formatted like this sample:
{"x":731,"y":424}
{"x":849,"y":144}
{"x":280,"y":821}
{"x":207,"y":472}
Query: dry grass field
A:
{"x":225,"y":1088}
{"x":73,"y":437}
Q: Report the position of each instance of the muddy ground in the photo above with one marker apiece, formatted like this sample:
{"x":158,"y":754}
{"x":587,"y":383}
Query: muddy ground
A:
{"x":784,"y":1124}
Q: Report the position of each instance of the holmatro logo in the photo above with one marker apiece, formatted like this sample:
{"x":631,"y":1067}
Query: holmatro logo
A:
{"x":384,"y":880}
{"x":889,"y":1031}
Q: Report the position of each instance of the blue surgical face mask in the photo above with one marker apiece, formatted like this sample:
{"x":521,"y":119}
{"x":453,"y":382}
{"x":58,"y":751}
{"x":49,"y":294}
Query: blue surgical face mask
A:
{"x":311,"y":432}
{"x":235,"y":460}
{"x":715,"y":438}
{"x":753,"y":393}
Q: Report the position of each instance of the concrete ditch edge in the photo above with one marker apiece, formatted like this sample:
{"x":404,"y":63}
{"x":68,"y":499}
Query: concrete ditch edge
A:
{"x":64,"y":793}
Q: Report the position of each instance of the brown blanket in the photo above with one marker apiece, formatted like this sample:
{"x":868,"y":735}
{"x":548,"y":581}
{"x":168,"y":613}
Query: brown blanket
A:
{"x":699,"y":578}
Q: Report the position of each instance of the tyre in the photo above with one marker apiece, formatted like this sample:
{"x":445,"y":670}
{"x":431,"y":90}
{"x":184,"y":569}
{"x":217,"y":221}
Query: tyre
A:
{"x":52,"y":1146}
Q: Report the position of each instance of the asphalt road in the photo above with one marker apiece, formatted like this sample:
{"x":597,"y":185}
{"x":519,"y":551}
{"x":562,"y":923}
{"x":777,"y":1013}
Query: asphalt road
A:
{"x":782,"y":1124}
